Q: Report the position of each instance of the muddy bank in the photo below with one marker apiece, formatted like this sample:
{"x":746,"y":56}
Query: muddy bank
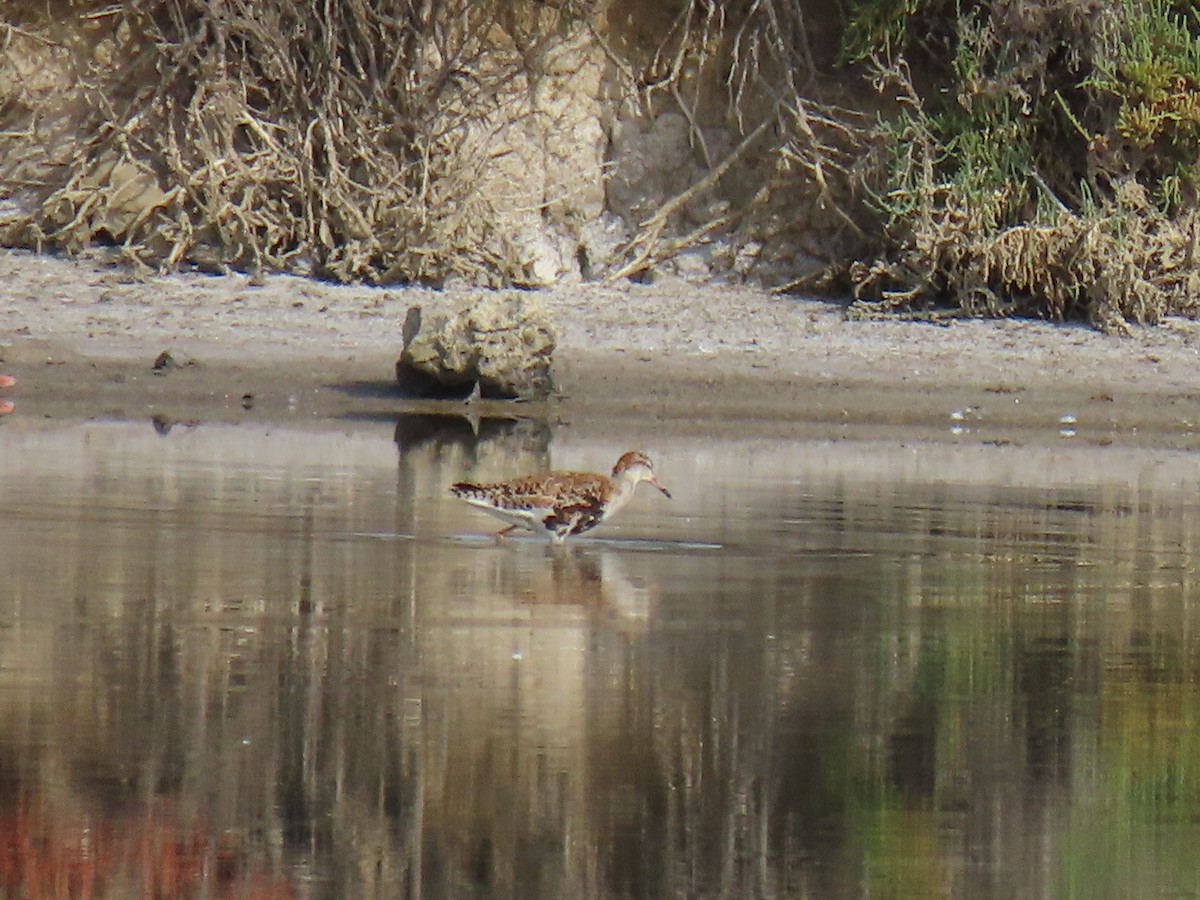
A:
{"x":82,"y":337}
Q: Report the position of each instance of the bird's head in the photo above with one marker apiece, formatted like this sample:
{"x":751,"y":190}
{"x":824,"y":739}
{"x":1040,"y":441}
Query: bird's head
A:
{"x":636,"y":467}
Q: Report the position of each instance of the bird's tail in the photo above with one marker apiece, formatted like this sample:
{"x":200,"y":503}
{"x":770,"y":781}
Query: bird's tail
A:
{"x":466,"y":489}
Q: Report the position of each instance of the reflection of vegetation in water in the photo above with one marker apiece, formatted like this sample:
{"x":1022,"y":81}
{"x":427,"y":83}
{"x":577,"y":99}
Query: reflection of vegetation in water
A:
{"x":1133,"y":828}
{"x":1042,"y":709}
{"x":904,"y":856}
{"x":991,"y":694}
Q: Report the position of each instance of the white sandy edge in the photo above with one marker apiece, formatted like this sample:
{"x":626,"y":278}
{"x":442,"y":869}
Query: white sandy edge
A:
{"x":106,"y":311}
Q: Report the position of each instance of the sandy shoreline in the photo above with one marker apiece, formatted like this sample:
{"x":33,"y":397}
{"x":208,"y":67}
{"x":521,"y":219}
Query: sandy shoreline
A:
{"x":81,"y":337}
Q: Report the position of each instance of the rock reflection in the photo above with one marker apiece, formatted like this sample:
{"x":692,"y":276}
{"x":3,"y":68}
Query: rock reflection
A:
{"x":434,"y":450}
{"x":469,"y":430}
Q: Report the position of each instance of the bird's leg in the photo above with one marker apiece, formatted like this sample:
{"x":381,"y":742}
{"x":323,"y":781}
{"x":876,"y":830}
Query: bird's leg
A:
{"x":500,"y":535}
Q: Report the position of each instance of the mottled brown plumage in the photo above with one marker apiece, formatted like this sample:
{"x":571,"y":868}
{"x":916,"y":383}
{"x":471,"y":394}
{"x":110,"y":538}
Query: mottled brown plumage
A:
{"x":561,"y":503}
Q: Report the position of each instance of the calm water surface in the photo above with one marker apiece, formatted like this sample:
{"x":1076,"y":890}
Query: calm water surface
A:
{"x":248,"y":663}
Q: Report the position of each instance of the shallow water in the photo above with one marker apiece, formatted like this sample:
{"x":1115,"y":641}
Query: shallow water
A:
{"x":254,"y":663}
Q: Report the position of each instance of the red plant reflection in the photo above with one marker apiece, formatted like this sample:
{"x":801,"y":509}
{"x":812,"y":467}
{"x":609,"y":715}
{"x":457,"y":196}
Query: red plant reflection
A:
{"x":156,"y":854}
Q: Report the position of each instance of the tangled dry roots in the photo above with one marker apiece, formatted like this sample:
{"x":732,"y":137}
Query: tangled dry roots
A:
{"x":349,"y":140}
{"x":341,"y":139}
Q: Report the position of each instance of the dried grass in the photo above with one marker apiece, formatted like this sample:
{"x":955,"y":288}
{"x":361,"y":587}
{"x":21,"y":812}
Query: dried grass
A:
{"x":345,"y":139}
{"x":360,"y":140}
{"x":791,"y":182}
{"x":1128,"y":264}
{"x":350,"y":140}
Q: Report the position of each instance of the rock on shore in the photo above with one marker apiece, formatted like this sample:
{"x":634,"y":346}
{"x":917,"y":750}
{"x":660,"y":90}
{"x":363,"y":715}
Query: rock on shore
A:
{"x":503,"y":341}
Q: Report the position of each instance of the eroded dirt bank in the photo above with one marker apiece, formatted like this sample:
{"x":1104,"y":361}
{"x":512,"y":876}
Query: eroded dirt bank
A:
{"x":82,"y":337}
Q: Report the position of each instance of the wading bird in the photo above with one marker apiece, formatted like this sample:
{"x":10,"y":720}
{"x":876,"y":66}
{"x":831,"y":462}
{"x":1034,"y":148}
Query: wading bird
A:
{"x":561,"y":503}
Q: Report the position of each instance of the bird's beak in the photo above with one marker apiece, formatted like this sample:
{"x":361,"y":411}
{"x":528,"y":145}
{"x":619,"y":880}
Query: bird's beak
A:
{"x":666,"y":493}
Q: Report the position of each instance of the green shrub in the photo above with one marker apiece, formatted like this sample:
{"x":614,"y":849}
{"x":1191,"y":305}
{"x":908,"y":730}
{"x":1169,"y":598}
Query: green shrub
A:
{"x":1048,"y":122}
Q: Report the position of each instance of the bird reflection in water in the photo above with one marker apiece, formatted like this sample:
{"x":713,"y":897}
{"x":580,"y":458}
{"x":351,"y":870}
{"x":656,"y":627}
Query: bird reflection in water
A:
{"x":598,"y":581}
